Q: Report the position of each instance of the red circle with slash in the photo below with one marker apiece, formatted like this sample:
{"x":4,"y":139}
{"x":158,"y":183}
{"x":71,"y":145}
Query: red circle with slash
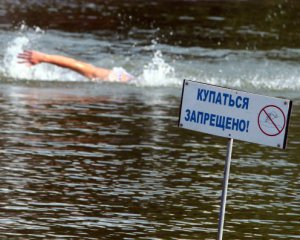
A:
{"x":271,"y":120}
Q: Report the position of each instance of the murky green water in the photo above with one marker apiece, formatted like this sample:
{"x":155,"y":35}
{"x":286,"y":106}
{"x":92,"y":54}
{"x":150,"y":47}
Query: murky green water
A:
{"x":83,"y":160}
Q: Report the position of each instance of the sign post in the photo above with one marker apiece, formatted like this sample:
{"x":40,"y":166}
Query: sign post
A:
{"x":234,"y":114}
{"x":225,"y":187}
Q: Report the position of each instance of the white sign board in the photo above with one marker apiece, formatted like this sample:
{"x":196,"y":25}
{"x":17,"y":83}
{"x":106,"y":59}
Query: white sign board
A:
{"x":234,"y":114}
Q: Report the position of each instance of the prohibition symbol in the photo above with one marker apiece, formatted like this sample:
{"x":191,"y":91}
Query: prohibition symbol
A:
{"x":271,"y":120}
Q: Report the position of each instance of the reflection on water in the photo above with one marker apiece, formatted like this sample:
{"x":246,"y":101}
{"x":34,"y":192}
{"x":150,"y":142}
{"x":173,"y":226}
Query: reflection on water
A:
{"x":109,"y":163}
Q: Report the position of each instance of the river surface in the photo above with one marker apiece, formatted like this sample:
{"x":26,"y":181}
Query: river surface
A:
{"x":106,"y":160}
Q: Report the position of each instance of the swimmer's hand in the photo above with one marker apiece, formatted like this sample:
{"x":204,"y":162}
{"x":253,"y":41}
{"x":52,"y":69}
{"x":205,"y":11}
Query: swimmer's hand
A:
{"x":31,"y":58}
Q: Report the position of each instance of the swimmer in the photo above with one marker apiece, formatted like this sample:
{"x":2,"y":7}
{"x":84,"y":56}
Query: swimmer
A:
{"x":31,"y":58}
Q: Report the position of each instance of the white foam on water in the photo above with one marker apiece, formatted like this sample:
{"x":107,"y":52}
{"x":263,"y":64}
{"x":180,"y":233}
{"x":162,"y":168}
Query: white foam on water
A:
{"x":241,"y":69}
{"x":26,"y":39}
{"x":10,"y":61}
{"x":158,"y":72}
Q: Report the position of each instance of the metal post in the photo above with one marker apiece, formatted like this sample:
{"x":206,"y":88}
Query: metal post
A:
{"x":224,"y":191}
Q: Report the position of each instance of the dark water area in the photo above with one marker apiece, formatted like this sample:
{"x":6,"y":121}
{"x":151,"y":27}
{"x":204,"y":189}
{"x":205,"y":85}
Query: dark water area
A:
{"x":213,"y":24}
{"x":102,"y":160}
{"x":111,"y":164}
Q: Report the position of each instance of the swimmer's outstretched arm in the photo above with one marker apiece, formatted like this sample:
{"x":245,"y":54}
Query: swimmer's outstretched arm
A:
{"x":32,"y":58}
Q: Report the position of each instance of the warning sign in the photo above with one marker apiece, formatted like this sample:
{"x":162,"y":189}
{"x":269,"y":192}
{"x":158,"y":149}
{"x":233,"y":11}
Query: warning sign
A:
{"x":234,"y":114}
{"x":271,"y":120}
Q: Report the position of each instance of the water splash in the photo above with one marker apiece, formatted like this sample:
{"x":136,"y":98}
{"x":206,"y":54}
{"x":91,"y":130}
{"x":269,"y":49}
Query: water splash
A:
{"x":155,"y":73}
{"x":162,"y":65}
{"x":10,"y":62}
{"x":158,"y":72}
{"x":23,"y":39}
{"x":26,"y":38}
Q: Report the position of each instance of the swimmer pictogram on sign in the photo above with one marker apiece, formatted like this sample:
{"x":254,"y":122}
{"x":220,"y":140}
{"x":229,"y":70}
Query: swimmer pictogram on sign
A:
{"x":271,"y":120}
